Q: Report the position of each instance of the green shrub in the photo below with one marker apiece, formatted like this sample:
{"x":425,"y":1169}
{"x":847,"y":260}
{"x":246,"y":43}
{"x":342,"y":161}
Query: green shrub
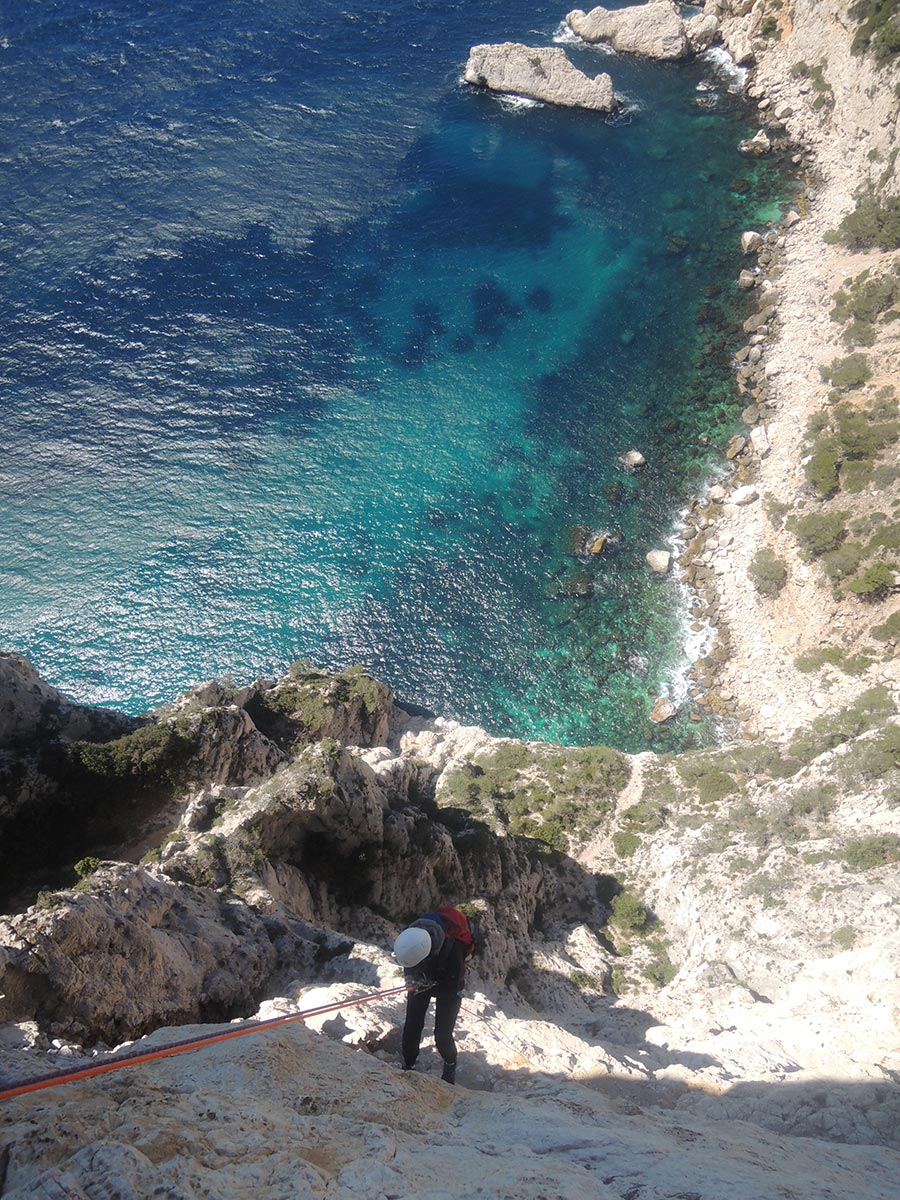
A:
{"x":858,"y":435}
{"x":856,"y":475}
{"x":887,"y":537}
{"x":820,"y":532}
{"x":619,"y":980}
{"x":644,"y":815}
{"x":873,"y":224}
{"x":814,"y":803}
{"x":570,"y":790}
{"x":845,"y":937}
{"x":850,"y":664}
{"x":841,"y":563}
{"x":154,"y":756}
{"x":872,"y":758}
{"x":859,"y":333}
{"x":879,"y":31}
{"x":821,"y":469}
{"x":584,"y":982}
{"x":86,"y":866}
{"x":767,"y":572}
{"x":769,"y":27}
{"x":847,"y":373}
{"x":712,"y":783}
{"x":867,"y":853}
{"x":660,"y":970}
{"x":625,"y":843}
{"x":865,"y":298}
{"x":777,"y":511}
{"x":889,"y":630}
{"x":824,"y":733}
{"x":629,"y":914}
{"x":874,"y":582}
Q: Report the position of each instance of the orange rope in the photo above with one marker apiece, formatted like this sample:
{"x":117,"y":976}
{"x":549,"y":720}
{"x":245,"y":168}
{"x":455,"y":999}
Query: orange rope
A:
{"x":210,"y":1039}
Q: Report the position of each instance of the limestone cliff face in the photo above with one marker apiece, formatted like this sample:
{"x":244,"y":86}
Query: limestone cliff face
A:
{"x":37,"y":724}
{"x":257,"y":882}
{"x":543,"y":73}
{"x":675,"y":943}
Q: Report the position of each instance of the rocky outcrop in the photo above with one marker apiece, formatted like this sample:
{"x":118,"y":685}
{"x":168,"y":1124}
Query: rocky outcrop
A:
{"x":78,"y":780}
{"x":757,"y":146}
{"x":38,"y":724}
{"x":133,"y":952}
{"x":293,"y":1113}
{"x":543,"y":73}
{"x":254,"y":881}
{"x":631,"y":461}
{"x":654,"y":30}
{"x":32,"y":713}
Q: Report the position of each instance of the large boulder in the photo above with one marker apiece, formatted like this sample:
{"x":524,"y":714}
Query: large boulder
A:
{"x":702,"y":30}
{"x":655,"y":30}
{"x":540,"y":74}
{"x":135,"y":951}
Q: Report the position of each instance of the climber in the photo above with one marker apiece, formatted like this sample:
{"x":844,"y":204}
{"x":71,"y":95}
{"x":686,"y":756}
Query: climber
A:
{"x":433,"y":953}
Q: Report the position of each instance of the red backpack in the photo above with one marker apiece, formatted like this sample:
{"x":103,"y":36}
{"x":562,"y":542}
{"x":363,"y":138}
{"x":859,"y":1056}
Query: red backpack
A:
{"x":456,"y":925}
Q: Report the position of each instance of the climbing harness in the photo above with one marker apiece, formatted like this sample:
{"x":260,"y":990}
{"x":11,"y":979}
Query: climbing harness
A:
{"x":136,"y":1057}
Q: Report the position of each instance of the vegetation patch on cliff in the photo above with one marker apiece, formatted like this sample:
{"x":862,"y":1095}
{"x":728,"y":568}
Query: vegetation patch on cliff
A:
{"x":309,"y":705}
{"x":554,"y":794}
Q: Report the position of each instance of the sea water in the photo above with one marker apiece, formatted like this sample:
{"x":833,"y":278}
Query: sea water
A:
{"x":310,"y":351}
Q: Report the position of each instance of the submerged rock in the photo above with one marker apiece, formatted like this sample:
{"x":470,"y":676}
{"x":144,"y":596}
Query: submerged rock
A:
{"x":662,"y":710}
{"x":655,"y":30}
{"x":543,"y":73}
{"x":659,"y":561}
{"x":759,"y":145}
{"x":631,"y":461}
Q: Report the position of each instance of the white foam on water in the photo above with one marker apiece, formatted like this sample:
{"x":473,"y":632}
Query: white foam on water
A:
{"x":563,"y":36}
{"x":624,"y":114}
{"x":725,"y":67}
{"x":518,"y":103}
{"x":696,"y":643}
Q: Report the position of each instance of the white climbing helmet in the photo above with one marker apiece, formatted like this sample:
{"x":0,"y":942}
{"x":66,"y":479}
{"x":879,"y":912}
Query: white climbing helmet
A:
{"x":412,"y":946}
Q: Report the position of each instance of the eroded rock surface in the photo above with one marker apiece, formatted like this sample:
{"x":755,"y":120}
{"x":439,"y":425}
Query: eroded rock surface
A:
{"x":654,"y":30}
{"x":540,"y":73}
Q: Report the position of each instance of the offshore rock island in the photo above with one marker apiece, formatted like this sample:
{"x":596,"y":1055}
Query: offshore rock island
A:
{"x":539,"y":74}
{"x":689,"y":983}
{"x":655,"y":30}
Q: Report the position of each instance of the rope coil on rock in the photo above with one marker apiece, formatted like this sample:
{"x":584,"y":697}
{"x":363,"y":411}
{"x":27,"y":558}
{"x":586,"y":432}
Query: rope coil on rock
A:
{"x":136,"y":1057}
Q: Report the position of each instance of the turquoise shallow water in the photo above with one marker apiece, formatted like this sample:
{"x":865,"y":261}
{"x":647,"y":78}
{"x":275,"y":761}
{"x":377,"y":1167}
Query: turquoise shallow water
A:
{"x":312,"y":352}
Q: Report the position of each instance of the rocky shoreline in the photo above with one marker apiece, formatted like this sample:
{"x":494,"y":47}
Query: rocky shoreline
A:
{"x":749,"y":674}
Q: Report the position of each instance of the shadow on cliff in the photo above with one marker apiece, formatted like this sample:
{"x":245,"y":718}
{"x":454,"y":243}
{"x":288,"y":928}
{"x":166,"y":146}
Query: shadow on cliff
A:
{"x":834,"y":1110}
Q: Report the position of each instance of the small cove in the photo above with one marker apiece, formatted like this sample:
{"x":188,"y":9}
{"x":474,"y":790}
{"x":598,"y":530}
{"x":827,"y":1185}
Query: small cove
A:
{"x":315,"y":353}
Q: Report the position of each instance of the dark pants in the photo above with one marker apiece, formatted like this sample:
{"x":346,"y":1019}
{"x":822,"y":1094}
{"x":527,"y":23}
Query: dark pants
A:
{"x":446,"y":1009}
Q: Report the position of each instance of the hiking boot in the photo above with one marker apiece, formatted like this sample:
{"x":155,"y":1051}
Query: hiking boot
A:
{"x":407,"y":1066}
{"x":448,"y":1075}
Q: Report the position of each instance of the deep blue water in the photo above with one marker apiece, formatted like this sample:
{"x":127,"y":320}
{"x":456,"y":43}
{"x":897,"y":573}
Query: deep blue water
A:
{"x":309,"y":351}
